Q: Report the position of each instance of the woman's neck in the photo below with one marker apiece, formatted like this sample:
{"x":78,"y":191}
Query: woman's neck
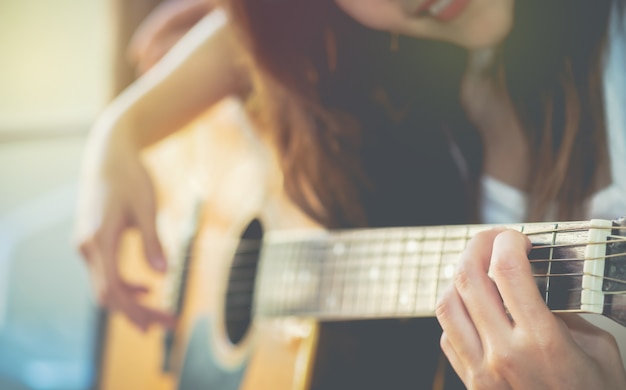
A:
{"x":480,"y":62}
{"x":489,"y":108}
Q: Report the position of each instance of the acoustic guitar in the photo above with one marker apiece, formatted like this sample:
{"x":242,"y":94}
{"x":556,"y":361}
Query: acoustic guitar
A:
{"x":252,"y":277}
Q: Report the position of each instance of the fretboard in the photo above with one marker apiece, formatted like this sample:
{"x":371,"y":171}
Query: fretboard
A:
{"x":402,"y":272}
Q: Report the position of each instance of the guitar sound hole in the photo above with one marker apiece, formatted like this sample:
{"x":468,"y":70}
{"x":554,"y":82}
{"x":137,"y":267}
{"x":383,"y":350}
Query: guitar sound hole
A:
{"x":240,"y":289}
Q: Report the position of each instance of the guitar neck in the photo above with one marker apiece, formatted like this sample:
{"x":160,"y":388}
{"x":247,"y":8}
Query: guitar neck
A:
{"x":402,"y":272}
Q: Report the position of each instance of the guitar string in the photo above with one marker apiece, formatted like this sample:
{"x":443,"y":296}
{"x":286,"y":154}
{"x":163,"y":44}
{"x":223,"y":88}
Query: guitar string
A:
{"x":252,"y":245}
{"x":248,"y":279}
{"x":250,"y":311}
{"x":248,"y":288}
{"x":247,"y":315}
{"x":244,"y":262}
{"x":256,"y":244}
{"x":477,"y":228}
{"x":248,"y":293}
{"x":426,"y":230}
{"x":347,"y":313}
{"x":395,"y":301}
{"x":429,"y":280}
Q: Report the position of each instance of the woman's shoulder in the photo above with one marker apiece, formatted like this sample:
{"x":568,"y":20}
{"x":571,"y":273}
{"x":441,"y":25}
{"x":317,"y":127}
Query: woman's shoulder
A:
{"x":615,"y":97}
{"x":617,"y":31}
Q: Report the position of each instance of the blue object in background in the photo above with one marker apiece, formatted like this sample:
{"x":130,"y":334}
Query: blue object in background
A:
{"x":47,"y":315}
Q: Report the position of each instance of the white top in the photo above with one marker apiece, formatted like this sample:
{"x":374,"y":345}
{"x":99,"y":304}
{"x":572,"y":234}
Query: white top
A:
{"x":502,"y":203}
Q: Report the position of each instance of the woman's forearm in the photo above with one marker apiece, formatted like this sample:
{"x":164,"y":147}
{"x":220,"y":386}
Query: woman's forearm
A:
{"x":201,"y":69}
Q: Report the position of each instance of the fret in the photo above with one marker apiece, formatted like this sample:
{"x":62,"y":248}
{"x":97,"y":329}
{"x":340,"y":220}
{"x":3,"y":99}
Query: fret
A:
{"x":283,"y":278}
{"x":311,"y":278}
{"x":341,"y":255}
{"x":287,"y":276}
{"x":327,"y":301}
{"x":473,"y":230}
{"x":400,"y":298}
{"x":280,"y":283}
{"x":265,"y":284}
{"x":438,"y":272}
{"x":358,"y":273}
{"x":359,"y":288}
{"x":348,"y":292}
{"x":295,"y":300}
{"x":291,"y":269}
{"x":308,"y":279}
{"x":455,"y":240}
{"x":415,"y":249}
{"x":277,"y":277}
{"x":367,"y":271}
{"x":539,"y":236}
{"x":363,"y":270}
{"x":351,"y":275}
{"x":301,"y":277}
{"x":550,"y":257}
{"x":391,"y":271}
{"x":341,"y":250}
{"x":380,"y":281}
{"x":372,"y":273}
{"x":315,"y":270}
{"x":388,"y":274}
{"x":411,"y":248}
{"x":429,"y":269}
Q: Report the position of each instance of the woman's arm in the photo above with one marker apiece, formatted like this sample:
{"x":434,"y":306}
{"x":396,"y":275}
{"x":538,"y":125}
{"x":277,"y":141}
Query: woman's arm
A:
{"x":205,"y":66}
{"x":125,"y":17}
{"x":116,"y":190}
{"x":161,"y":29}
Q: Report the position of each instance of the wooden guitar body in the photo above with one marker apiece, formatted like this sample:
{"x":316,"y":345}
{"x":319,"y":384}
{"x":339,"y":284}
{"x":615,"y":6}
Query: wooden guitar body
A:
{"x":212,"y":179}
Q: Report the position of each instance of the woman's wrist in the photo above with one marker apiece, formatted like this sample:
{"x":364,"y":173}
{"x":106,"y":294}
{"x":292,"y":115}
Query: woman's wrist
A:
{"x":112,"y":143}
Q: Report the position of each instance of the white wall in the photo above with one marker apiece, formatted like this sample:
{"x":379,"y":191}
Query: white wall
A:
{"x":53,"y":67}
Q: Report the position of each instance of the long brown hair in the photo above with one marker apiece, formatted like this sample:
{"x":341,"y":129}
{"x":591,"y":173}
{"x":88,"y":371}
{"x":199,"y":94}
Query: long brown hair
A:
{"x":348,"y":111}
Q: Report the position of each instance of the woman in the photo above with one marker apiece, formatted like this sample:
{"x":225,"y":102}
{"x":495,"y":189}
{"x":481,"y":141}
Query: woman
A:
{"x":492,"y":104}
{"x":524,"y":114}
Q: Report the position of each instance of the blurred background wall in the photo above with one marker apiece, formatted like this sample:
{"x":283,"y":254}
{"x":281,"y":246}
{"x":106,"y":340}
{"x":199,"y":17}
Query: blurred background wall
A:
{"x":53,"y":81}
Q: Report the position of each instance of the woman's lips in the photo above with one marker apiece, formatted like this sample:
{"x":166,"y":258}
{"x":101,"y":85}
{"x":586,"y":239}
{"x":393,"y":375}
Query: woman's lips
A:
{"x":425,"y":6}
{"x":442,"y":10}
